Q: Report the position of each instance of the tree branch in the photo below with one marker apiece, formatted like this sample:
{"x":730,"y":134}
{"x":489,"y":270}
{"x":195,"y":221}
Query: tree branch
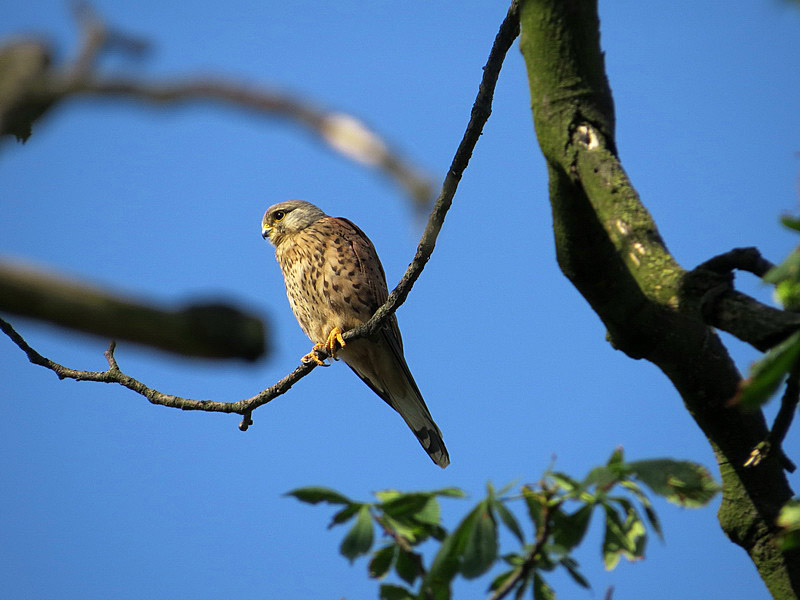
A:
{"x":710,"y":286}
{"x":199,"y":330}
{"x":609,"y":247}
{"x":30,"y":87}
{"x":480,"y":114}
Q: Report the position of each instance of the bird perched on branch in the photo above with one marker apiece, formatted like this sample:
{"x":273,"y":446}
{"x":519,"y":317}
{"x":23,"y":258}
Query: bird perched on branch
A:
{"x":335,"y":282}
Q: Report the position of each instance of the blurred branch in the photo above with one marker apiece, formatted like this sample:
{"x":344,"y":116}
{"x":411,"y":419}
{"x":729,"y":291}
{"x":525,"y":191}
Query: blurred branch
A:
{"x":480,"y":114}
{"x":199,"y":330}
{"x":30,"y":87}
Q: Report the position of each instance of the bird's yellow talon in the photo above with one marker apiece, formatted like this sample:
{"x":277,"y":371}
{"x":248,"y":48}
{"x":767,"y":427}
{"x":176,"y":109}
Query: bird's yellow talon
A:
{"x":313,"y":357}
{"x":334,"y":339}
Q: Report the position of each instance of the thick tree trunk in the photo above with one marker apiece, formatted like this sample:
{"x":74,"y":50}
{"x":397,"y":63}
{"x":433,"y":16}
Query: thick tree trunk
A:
{"x":609,"y":247}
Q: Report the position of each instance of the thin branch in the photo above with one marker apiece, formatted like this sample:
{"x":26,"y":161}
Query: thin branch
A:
{"x":783,"y":420}
{"x":780,"y":427}
{"x":480,"y":114}
{"x":399,"y":539}
{"x":115,"y":375}
{"x":542,"y":537}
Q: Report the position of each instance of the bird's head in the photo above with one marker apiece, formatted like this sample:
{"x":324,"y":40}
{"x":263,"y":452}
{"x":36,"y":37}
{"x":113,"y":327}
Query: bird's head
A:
{"x":287,"y":218}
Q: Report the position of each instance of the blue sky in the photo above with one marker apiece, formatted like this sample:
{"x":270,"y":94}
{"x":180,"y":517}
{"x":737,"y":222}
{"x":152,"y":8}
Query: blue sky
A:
{"x":110,"y":497}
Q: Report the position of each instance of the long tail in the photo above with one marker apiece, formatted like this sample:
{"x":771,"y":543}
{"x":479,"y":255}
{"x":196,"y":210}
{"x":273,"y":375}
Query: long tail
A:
{"x":383,"y":368}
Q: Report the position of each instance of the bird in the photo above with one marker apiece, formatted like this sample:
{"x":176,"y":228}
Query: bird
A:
{"x":335,"y":282}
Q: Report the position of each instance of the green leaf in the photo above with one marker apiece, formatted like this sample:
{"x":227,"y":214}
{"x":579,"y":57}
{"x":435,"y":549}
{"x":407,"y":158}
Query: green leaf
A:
{"x":344,"y":515}
{"x":506,"y":488}
{"x":430,"y":514}
{"x":791,"y":222}
{"x":790,"y":540}
{"x":683,"y":483}
{"x":635,"y":531}
{"x":788,"y":270}
{"x":789,"y":522}
{"x":503,"y":577}
{"x":617,"y":457}
{"x":571,"y":565}
{"x":480,"y":550}
{"x":509,"y":520}
{"x":358,"y":540}
{"x":602,"y":477}
{"x":388,"y":495}
{"x":542,"y":591}
{"x":767,"y":374}
{"x":786,"y":279}
{"x":788,"y":294}
{"x":408,"y":528}
{"x":314,"y":495}
{"x":622,"y":538}
{"x":408,"y":566}
{"x":615,"y":542}
{"x":395,"y":592}
{"x":568,"y":530}
{"x":451,"y":492}
{"x":649,"y":512}
{"x":405,"y":505}
{"x":534,"y":501}
{"x":565,"y":482}
{"x":448,"y":559}
{"x":382,"y":561}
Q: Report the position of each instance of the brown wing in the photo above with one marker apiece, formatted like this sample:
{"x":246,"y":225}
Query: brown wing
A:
{"x":371,"y":271}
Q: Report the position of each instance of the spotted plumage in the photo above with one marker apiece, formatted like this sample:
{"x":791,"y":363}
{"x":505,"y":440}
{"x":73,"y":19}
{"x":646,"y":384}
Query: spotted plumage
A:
{"x":335,"y":282}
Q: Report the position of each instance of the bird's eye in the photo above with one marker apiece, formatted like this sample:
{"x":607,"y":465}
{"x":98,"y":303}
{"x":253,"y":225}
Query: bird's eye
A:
{"x":278,"y":215}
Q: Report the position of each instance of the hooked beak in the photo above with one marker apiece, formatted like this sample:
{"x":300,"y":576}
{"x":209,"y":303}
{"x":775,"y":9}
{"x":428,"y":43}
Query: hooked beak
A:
{"x":265,"y":230}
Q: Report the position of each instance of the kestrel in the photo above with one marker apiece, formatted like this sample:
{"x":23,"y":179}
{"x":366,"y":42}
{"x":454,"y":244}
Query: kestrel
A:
{"x":335,"y":282}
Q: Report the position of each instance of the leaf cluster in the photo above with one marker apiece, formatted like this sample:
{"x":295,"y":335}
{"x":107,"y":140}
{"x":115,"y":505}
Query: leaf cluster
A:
{"x":557,"y":512}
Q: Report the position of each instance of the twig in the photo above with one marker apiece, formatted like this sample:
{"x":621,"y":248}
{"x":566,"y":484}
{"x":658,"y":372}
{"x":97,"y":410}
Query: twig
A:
{"x":399,"y":539}
{"x":542,"y":537}
{"x":480,"y":114}
{"x":780,"y":427}
{"x":115,"y":375}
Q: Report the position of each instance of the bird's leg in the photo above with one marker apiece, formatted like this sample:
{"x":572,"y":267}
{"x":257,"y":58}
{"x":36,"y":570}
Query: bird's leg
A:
{"x":312,"y":356}
{"x":332,"y":345}
{"x":334,"y":339}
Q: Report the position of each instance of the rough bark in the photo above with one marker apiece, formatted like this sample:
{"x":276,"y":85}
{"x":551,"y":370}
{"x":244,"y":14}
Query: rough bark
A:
{"x":610,"y":249}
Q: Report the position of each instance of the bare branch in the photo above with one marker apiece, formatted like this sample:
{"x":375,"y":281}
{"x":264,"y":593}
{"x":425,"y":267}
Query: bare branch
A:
{"x":480,"y":114}
{"x":115,"y":375}
{"x":205,"y":330}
